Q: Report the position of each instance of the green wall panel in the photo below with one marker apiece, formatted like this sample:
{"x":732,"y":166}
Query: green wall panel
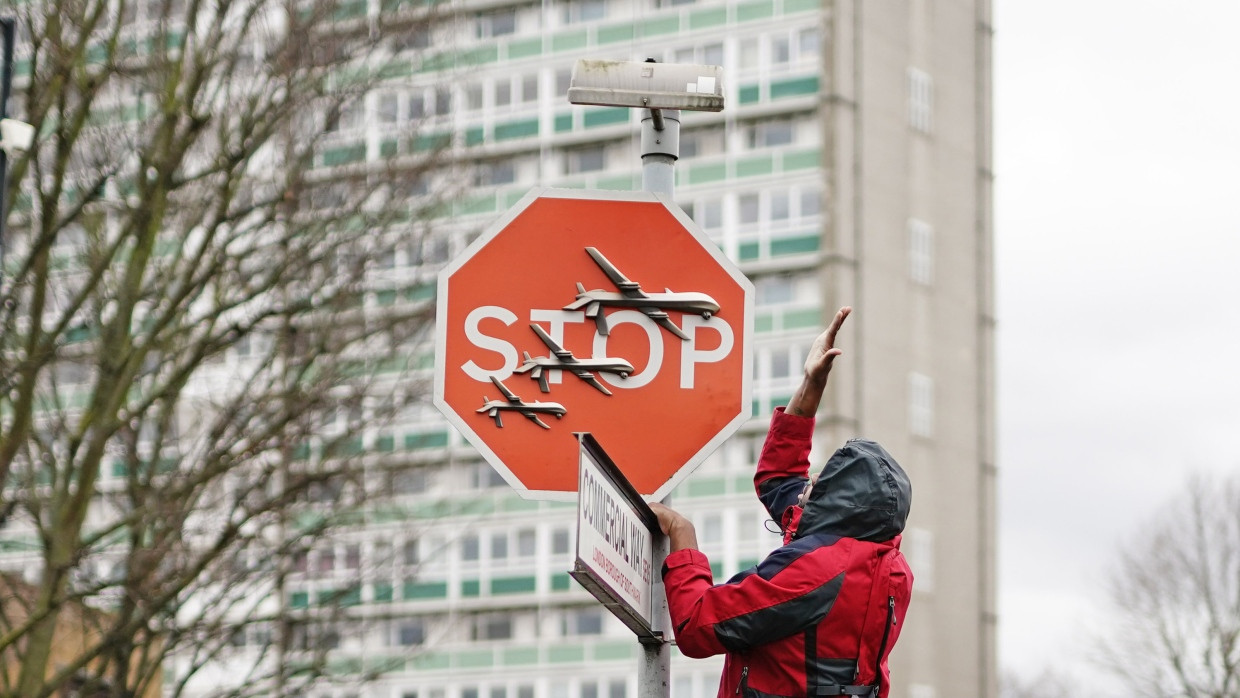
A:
{"x":711,"y":17}
{"x":709,"y":172}
{"x":749,"y":11}
{"x":602,"y":116}
{"x":569,"y":653}
{"x":524,"y":48}
{"x":796,"y":245}
{"x":755,"y":166}
{"x":569,"y":41}
{"x":606,"y":651}
{"x":795,"y":319}
{"x":802,"y":160}
{"x":791,"y":6}
{"x":614,"y":33}
{"x":424,"y":590}
{"x":795,"y":87}
{"x":473,"y":659}
{"x":705,"y":487}
{"x":662,"y":25}
{"x":513,"y":585}
{"x":516,"y":129}
{"x":521,"y":655}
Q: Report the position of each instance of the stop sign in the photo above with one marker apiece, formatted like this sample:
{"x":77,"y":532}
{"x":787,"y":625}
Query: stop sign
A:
{"x":602,"y":312}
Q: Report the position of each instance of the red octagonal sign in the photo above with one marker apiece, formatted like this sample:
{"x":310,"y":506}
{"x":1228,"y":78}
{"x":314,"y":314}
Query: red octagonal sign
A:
{"x":601,"y":312}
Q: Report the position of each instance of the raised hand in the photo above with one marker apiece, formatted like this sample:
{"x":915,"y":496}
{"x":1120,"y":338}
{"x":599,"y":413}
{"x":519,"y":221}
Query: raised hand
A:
{"x":822,"y":354}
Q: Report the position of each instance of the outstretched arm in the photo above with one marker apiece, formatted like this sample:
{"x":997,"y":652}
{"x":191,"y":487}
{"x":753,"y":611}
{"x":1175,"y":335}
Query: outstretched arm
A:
{"x":805,"y":400}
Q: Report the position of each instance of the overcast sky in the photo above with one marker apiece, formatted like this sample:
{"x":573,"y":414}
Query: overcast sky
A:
{"x":1118,"y":271}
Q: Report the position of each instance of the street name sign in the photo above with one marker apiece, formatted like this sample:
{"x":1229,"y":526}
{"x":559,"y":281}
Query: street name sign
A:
{"x":615,"y":541}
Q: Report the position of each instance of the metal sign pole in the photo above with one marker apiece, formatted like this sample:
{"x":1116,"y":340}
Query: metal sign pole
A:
{"x":660,"y":150}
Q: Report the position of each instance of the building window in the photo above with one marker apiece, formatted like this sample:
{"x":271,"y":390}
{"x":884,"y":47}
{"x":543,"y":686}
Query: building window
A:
{"x":389,"y":109}
{"x":411,"y":556}
{"x":469,"y":548}
{"x":712,"y":529}
{"x":921,"y":404}
{"x":780,"y":205}
{"x":809,"y":43}
{"x":768,"y":134}
{"x":561,"y":541}
{"x":499,"y":546}
{"x":702,"y":142}
{"x":811,"y":202}
{"x":489,"y":174}
{"x":414,"y":481}
{"x":920,"y":549}
{"x":591,"y":159}
{"x":584,"y":11}
{"x":781,"y":50}
{"x":486,"y":477}
{"x":473,"y":97}
{"x":492,"y":627}
{"x":498,"y":23}
{"x":617,"y":688}
{"x":920,"y":100}
{"x":774,"y":290}
{"x":750,"y":210}
{"x":411,"y":633}
{"x":529,"y":88}
{"x":583,"y":621}
{"x":417,"y":106}
{"x":920,"y":252}
{"x":526,"y":543}
{"x":443,"y":102}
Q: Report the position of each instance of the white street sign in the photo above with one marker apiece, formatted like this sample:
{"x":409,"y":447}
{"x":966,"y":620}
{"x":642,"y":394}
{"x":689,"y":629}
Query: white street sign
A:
{"x":615,"y":541}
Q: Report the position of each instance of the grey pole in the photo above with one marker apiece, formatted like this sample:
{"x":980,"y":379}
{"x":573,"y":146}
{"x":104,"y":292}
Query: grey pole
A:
{"x":660,"y":149}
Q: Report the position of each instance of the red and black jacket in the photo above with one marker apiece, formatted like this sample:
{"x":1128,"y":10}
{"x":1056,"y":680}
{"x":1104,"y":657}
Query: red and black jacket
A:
{"x":820,"y":614}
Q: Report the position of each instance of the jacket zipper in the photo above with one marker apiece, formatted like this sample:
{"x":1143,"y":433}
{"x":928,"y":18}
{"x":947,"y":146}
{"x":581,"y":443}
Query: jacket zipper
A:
{"x":744,"y":681}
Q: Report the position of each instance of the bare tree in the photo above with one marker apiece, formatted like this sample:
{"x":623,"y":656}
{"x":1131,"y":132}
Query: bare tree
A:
{"x":200,"y":345}
{"x":1048,"y":684}
{"x":1176,"y":598}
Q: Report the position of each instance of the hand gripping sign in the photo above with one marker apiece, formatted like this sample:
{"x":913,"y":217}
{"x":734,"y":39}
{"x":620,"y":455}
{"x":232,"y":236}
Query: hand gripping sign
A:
{"x":602,"y":312}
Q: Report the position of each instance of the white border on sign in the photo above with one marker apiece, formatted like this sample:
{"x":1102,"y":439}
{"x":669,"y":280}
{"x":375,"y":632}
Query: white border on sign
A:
{"x":441,"y":336}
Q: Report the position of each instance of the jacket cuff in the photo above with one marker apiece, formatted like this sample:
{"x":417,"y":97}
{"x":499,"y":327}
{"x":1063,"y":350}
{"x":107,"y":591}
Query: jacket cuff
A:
{"x":793,"y":426}
{"x":683,"y":558}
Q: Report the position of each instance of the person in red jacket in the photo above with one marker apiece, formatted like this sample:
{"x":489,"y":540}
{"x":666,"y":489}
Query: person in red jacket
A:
{"x":820,"y":614}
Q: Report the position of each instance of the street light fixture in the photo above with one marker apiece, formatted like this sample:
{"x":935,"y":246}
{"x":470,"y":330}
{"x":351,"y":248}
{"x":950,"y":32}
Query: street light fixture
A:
{"x":663,"y":89}
{"x":647,"y":84}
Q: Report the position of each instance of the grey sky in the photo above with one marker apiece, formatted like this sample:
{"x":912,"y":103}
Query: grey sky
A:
{"x":1118,"y":243}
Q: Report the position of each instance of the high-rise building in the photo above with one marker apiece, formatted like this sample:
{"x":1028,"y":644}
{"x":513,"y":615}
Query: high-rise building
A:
{"x":851,"y":166}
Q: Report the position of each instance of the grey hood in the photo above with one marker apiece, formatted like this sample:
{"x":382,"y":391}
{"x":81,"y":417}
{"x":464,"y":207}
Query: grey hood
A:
{"x":862,"y":493}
